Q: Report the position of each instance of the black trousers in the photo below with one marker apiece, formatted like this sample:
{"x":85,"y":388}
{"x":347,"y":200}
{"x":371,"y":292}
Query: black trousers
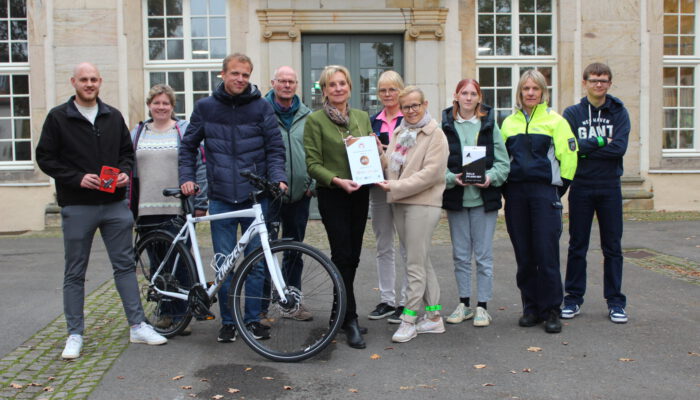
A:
{"x":533,"y":218}
{"x":345,"y":216}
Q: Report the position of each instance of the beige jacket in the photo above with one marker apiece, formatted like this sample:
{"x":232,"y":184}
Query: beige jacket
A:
{"x":421,"y":180}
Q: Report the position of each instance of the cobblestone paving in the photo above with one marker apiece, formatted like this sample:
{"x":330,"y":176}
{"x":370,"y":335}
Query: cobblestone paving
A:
{"x":675,"y":267}
{"x":35,"y":369}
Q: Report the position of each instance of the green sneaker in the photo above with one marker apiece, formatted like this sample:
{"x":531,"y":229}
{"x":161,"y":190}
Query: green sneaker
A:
{"x":461,"y":313}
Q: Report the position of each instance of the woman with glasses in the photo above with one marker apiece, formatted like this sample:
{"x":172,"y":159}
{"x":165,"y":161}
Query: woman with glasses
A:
{"x":383,"y":124}
{"x":415,"y":169}
{"x":472,"y":208}
{"x":543,"y":157}
{"x":342,"y":202}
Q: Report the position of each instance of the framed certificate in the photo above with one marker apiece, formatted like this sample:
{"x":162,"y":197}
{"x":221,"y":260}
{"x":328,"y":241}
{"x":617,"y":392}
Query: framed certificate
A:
{"x":363,"y":157}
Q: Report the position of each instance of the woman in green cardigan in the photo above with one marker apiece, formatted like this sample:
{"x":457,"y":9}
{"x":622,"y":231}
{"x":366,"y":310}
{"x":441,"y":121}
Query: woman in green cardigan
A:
{"x":342,"y":202}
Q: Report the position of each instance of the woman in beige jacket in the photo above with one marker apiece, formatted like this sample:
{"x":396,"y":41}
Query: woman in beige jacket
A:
{"x":415,"y":169}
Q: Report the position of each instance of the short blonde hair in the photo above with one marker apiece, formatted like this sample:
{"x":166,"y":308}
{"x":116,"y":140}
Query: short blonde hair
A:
{"x":538,"y":79}
{"x":391,"y":78}
{"x":157,"y":90}
{"x":412,"y":89}
{"x":328,"y":73}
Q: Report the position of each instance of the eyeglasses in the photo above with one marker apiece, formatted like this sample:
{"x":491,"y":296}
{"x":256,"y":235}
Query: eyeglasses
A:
{"x":598,"y":81}
{"x":285,"y":82}
{"x":411,"y":107}
{"x":388,"y":91}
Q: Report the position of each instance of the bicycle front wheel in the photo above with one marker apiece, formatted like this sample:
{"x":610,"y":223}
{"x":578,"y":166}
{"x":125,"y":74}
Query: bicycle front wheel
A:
{"x":168,"y":315}
{"x":304,"y":325}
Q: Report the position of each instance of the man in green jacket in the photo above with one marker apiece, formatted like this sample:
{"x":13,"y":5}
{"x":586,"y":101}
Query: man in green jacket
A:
{"x":293,"y":214}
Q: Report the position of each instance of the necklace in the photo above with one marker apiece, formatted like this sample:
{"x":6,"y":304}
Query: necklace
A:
{"x":347,"y":130}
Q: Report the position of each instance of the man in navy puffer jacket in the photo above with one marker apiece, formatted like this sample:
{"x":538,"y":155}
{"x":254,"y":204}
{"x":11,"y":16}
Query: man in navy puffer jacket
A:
{"x":240,"y":133}
{"x":601,"y":124}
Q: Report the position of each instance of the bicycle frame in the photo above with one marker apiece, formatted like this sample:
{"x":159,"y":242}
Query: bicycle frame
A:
{"x":257,"y":227}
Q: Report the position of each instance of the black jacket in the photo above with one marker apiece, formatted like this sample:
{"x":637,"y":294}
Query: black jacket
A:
{"x":70,"y":147}
{"x":452,"y":198}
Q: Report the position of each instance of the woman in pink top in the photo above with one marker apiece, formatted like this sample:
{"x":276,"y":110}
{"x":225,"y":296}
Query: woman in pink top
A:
{"x":383,"y":124}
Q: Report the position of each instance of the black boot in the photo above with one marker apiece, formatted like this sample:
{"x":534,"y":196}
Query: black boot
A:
{"x":354,"y":336}
{"x":553,"y":324}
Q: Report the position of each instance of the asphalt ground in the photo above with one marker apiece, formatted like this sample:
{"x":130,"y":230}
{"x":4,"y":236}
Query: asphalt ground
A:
{"x":654,"y":356}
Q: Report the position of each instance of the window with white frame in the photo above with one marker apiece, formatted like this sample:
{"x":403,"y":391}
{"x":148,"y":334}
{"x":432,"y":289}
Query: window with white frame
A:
{"x":15,"y":132}
{"x":681,"y":63}
{"x":186,"y":42}
{"x":512,"y":37}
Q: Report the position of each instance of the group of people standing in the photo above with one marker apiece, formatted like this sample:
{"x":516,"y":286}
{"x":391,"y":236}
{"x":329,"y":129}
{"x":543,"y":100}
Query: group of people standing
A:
{"x":530,"y":161}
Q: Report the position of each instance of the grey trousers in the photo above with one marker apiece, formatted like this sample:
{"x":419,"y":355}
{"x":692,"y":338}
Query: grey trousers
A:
{"x":115,"y":222}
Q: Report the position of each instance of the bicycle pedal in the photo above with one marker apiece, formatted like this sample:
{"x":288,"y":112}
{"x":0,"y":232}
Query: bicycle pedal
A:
{"x":204,"y":317}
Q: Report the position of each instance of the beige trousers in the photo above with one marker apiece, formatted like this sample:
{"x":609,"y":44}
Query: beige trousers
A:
{"x":415,"y":225}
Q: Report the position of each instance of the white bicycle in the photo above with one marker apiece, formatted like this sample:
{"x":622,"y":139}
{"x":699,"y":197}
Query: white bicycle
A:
{"x":177,"y":289}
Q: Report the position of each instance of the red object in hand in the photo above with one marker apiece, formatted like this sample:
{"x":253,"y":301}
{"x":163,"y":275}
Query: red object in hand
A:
{"x":108,"y":179}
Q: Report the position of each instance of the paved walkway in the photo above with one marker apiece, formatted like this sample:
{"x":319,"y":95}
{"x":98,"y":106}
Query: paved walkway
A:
{"x":655,"y":355}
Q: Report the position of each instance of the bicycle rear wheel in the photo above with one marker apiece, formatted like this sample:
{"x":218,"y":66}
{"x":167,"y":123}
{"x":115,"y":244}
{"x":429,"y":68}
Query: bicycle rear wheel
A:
{"x":318,"y":290}
{"x":168,"y":315}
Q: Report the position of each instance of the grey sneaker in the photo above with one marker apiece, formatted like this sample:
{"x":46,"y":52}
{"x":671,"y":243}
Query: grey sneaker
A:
{"x":406,"y":332}
{"x":461,"y":313}
{"x":426,"y":325}
{"x":481,"y":317}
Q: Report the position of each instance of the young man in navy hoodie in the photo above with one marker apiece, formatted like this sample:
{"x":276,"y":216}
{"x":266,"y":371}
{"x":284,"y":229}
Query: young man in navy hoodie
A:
{"x":601,"y":125}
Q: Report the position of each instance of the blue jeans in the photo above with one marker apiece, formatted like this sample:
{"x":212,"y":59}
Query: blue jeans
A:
{"x":293,"y":218}
{"x":605,"y":200}
{"x":224,"y":239}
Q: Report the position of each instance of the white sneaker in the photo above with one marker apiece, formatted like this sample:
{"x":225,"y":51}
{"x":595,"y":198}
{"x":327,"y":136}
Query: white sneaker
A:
{"x":73,"y":346}
{"x":144,"y":333}
{"x":460,"y":314}
{"x":482,"y":317}
{"x":406,"y":332}
{"x":426,"y":325}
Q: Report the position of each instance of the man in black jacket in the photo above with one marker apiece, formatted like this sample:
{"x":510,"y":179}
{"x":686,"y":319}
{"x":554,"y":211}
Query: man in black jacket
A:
{"x":80,"y":137}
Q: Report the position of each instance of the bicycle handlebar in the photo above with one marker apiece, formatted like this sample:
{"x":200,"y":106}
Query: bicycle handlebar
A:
{"x":263,"y":184}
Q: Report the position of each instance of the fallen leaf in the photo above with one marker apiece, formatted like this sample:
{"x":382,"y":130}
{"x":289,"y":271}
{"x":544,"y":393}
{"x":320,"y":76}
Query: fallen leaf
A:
{"x":501,"y":308}
{"x":512,"y":371}
{"x":34,"y":384}
{"x":565,"y":343}
{"x":192,"y":395}
{"x":333,"y":341}
{"x":353,"y":390}
{"x":389,"y":348}
{"x":248,"y":369}
{"x":233,"y":390}
{"x":376,"y":289}
{"x":406,"y":388}
{"x":285,"y":387}
{"x":626,"y":359}
{"x":480,"y":366}
{"x":488,"y":384}
{"x":177,"y":378}
{"x":375,"y":357}
{"x":204,"y":380}
{"x":51,"y":378}
{"x":16,"y":385}
{"x":217,"y":397}
{"x":47,"y":389}
{"x":186,"y":387}
{"x":268,"y":378}
{"x":424,"y":386}
{"x":119,"y":377}
{"x":690,"y":353}
{"x":534,"y":349}
{"x":527,"y":369}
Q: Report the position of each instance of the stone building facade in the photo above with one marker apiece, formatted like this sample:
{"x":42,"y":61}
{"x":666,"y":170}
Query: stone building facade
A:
{"x":649,"y":44}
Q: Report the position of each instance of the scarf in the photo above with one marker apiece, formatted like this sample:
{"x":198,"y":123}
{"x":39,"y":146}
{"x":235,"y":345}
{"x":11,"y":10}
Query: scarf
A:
{"x":405,"y":140}
{"x":286,"y":114}
{"x":335,"y":115}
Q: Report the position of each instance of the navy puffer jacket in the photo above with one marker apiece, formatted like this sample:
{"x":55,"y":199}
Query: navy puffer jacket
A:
{"x":241,"y":134}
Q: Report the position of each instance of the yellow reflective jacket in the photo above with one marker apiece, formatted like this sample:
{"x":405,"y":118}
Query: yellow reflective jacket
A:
{"x":542,"y":149}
